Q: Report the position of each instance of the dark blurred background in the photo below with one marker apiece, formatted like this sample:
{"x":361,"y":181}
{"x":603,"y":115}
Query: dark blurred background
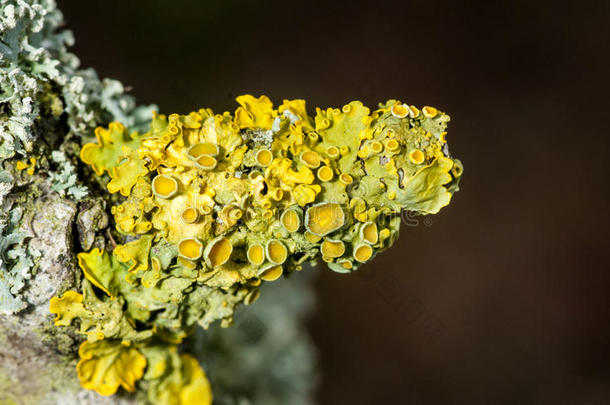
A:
{"x":503,"y":297}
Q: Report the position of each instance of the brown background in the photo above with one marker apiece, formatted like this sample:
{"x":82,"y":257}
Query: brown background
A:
{"x":503,"y":297}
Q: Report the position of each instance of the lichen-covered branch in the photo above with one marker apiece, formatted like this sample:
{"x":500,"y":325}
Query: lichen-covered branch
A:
{"x":47,"y":108}
{"x":134,"y":232}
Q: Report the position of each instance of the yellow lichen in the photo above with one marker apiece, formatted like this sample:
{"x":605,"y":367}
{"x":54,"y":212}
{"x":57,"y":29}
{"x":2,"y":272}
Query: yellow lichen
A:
{"x":384,"y":234}
{"x":254,"y":112}
{"x":106,"y":365}
{"x":346,"y":178}
{"x":271,"y":272}
{"x":256,"y":254}
{"x":376,"y":147}
{"x":112,"y":145}
{"x":98,"y":269}
{"x":346,"y":264}
{"x":363,"y":153}
{"x":218,"y":251}
{"x":368,"y":233}
{"x":417,"y":156}
{"x":429,"y":112}
{"x":413,"y":112}
{"x":325,"y":173}
{"x":311,"y":238}
{"x":332,"y":152}
{"x":206,"y":162}
{"x":264,"y":157}
{"x":362,"y":253}
{"x":291,"y":220}
{"x":400,"y":110}
{"x":66,"y":308}
{"x":190,"y":248}
{"x":203,"y":148}
{"x":324,"y":218}
{"x":332,"y":248}
{"x":276,"y":252}
{"x":126,"y":175}
{"x":164,"y":186}
{"x":196,"y":390}
{"x":217,"y":203}
{"x":304,"y":194}
{"x":189,"y":215}
{"x":182,"y":380}
{"x":135,"y":252}
{"x":21,"y":165}
{"x":311,"y":159}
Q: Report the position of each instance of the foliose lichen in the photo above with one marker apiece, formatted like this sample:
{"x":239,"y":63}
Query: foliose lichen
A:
{"x":45,"y":101}
{"x":65,"y":180}
{"x":216,"y":204}
{"x":16,"y":262}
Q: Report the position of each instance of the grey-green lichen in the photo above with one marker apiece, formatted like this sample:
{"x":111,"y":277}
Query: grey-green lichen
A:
{"x":40,"y":78}
{"x":45,"y":100}
{"x":64,"y":180}
{"x":16,"y":261}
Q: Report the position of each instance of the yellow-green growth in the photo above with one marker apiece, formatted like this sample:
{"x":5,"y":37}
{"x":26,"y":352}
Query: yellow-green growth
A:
{"x":218,"y":203}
